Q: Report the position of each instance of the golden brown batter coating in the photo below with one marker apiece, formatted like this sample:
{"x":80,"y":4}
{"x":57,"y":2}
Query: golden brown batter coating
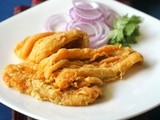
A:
{"x":23,"y":49}
{"x":68,"y":76}
{"x":42,"y":45}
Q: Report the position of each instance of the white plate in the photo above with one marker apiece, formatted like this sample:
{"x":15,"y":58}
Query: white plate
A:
{"x":137,"y":93}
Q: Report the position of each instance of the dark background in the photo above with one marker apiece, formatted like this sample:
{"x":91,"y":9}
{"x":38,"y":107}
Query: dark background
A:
{"x":151,"y":7}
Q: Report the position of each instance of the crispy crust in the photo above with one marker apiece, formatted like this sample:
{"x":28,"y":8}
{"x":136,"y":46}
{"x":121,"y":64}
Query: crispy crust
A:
{"x":42,"y":45}
{"x":70,"y":76}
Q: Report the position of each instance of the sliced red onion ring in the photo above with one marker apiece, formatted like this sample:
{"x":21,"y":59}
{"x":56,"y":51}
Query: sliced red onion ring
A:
{"x":102,"y":37}
{"x":91,"y":16}
{"x":105,"y":30}
{"x":99,"y":43}
{"x":84,"y":26}
{"x":111,"y":18}
{"x":56,"y":22}
{"x":109,"y":15}
{"x":98,"y":31}
{"x":85,"y":5}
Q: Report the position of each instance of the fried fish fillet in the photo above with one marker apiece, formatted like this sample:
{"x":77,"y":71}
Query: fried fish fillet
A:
{"x":23,"y":78}
{"x":42,"y":45}
{"x":107,"y":63}
{"x":76,"y":53}
{"x":23,"y":49}
{"x":72,"y":76}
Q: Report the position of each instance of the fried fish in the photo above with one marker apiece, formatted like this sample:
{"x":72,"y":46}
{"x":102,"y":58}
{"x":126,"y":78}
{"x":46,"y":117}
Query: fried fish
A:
{"x":39,"y":46}
{"x":61,"y":68}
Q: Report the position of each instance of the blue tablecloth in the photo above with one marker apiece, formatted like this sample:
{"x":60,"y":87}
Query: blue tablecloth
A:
{"x":6,"y":11}
{"x":7,"y":6}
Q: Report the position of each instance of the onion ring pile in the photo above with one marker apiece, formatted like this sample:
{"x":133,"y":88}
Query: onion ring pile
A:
{"x":89,"y":16}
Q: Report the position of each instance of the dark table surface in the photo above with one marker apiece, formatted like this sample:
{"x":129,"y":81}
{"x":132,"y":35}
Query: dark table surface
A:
{"x":151,"y":7}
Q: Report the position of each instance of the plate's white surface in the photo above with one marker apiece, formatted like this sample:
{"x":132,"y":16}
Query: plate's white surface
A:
{"x":137,"y":93}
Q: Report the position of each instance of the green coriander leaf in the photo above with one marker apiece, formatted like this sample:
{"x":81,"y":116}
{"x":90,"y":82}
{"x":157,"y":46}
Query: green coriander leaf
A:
{"x":131,"y":39}
{"x":125,"y":30}
{"x":113,"y":34}
{"x":121,"y":23}
{"x":129,"y":29}
{"x":119,"y":35}
{"x":135,"y":19}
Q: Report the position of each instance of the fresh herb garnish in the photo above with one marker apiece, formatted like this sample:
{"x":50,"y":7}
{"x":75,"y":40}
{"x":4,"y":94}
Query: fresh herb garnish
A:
{"x":125,"y":30}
